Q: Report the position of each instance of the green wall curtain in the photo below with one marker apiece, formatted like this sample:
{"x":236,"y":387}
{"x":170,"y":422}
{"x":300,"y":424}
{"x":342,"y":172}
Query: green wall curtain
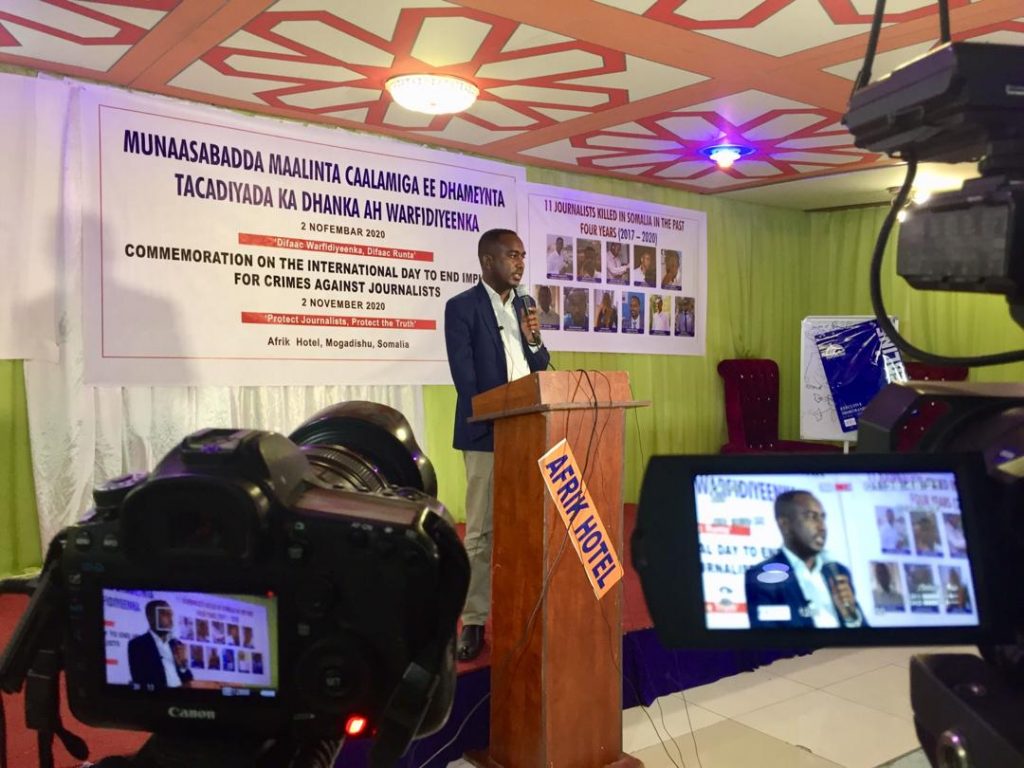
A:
{"x":19,"y":524}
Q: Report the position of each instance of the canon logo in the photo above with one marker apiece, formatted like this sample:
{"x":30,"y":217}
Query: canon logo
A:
{"x":183,"y":713}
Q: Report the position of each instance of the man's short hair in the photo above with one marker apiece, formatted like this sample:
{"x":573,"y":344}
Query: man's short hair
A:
{"x":786,"y":500}
{"x":489,"y":241}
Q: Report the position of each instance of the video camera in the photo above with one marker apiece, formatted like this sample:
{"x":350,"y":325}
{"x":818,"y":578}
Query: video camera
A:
{"x":924,"y":547}
{"x":255,"y":587}
{"x":930,"y":542}
{"x":962,"y":101}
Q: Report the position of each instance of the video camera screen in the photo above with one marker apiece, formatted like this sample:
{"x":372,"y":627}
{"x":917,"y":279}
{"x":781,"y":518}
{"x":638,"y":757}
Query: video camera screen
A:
{"x":157,"y":640}
{"x":824,"y":549}
{"x":833,"y":550}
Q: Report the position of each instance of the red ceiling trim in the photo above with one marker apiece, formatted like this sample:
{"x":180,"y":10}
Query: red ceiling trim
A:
{"x":664,"y":11}
{"x":188,"y":37}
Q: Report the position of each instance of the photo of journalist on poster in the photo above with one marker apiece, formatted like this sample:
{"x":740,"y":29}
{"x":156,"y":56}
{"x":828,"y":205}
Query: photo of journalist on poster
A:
{"x":644,"y":271}
{"x":588,"y":263}
{"x":559,"y":257}
{"x":607,"y":319}
{"x":802,"y":585}
{"x":660,"y":323}
{"x":955,"y":540}
{"x":684,"y":325}
{"x":632,"y":313}
{"x":926,"y":533}
{"x":922,"y":592}
{"x":617,"y":263}
{"x":670,"y":278}
{"x":892,"y":531}
{"x":887,"y":588}
{"x":957,"y":596}
{"x":547,"y":308}
{"x":577,"y":309}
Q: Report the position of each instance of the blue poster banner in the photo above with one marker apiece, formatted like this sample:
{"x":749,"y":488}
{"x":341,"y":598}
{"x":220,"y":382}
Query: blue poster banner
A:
{"x":858,"y":360}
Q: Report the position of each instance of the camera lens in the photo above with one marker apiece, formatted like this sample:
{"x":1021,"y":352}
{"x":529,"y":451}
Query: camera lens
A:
{"x":365,"y":446}
{"x":341,"y":468}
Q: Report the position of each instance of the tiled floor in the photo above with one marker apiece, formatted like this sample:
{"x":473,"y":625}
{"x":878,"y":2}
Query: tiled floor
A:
{"x":833,"y":709}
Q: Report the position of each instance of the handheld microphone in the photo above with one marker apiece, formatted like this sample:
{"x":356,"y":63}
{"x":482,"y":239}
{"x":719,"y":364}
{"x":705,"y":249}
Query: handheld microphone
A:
{"x":831,"y":571}
{"x":528,"y":303}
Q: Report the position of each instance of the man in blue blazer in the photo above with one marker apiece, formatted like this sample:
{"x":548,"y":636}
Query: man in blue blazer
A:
{"x":492,"y":338}
{"x":801,"y":586}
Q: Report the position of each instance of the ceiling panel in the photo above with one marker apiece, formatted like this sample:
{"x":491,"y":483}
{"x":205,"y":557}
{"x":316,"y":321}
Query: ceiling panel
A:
{"x":633,"y":89}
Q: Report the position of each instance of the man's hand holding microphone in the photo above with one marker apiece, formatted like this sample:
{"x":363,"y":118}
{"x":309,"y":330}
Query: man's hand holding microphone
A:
{"x":529,"y":324}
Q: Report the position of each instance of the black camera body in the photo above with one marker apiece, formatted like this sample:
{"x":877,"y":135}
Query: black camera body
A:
{"x":256,"y":587}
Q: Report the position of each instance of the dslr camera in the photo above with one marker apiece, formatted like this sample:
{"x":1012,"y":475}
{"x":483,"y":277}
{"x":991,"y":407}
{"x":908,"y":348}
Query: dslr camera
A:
{"x":256,"y":586}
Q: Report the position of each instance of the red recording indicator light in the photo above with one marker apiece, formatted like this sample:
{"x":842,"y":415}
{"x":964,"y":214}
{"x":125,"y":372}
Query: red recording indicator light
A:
{"x":356,"y":725}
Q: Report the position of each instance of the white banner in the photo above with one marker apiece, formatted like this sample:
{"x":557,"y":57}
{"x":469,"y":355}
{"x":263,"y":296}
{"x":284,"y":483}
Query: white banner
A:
{"x":33,"y":122}
{"x":617,"y":275}
{"x":221,"y":246}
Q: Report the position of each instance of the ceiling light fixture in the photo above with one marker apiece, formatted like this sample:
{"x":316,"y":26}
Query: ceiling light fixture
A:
{"x":432,"y":94}
{"x":724,"y":155}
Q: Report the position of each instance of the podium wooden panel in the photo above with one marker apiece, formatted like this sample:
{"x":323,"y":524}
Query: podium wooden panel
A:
{"x":556,"y":664}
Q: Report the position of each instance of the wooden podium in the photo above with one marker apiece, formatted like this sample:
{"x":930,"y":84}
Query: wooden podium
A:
{"x":556,"y":657}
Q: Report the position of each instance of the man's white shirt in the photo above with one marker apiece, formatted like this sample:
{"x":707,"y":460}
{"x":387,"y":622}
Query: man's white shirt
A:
{"x":163,"y":647}
{"x":556,"y":261}
{"x":890,"y":536}
{"x":511,"y":336}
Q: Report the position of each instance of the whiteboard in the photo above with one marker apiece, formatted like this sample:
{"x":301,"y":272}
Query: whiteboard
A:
{"x":818,"y":419}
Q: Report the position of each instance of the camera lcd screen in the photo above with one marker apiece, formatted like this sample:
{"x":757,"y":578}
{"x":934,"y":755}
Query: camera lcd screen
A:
{"x":160,"y":640}
{"x":833,"y":550}
{"x":814,"y":549}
